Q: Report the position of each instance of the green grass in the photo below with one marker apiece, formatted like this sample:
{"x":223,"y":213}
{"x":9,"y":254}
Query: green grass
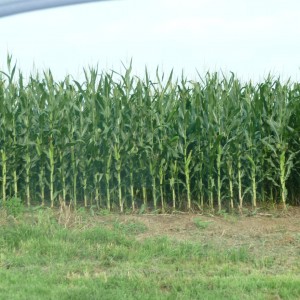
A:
{"x":40,"y":259}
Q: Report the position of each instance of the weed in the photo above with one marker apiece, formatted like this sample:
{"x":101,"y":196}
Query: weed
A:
{"x":201,"y":224}
{"x":104,"y":212}
{"x":14,"y":206}
{"x":130,"y":227}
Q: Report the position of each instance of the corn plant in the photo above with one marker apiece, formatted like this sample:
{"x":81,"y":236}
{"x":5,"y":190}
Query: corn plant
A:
{"x":118,"y":141}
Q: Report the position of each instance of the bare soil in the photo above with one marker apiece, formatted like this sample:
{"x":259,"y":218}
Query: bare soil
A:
{"x":270,"y":234}
{"x":182,"y":226}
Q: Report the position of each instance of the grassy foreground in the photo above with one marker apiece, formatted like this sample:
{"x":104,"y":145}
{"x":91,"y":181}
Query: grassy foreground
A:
{"x":46,"y":254}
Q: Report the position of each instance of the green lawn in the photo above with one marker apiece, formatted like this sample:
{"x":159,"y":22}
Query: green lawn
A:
{"x":41,"y":259}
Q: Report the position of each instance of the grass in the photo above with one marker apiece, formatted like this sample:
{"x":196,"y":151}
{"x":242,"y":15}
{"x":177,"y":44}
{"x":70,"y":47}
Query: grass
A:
{"x":41,"y":258}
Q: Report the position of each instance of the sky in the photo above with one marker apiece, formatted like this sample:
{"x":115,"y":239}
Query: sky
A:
{"x":251,"y":38}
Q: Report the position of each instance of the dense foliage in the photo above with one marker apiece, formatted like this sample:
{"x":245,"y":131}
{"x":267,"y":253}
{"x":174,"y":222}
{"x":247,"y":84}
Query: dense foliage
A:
{"x":119,"y":141}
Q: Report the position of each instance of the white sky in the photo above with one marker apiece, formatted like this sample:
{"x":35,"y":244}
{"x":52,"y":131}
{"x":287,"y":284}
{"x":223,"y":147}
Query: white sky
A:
{"x":249,"y":37}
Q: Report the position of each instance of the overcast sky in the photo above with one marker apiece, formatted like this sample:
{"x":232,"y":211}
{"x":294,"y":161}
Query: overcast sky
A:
{"x":249,"y":37}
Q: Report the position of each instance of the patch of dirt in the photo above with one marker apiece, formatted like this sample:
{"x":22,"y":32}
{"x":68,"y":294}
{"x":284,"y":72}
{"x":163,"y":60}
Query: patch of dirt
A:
{"x":183,"y":226}
{"x":265,"y":234}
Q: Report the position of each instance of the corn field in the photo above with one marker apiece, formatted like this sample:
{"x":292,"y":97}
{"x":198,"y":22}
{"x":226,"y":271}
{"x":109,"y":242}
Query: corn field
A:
{"x":123,"y":143}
